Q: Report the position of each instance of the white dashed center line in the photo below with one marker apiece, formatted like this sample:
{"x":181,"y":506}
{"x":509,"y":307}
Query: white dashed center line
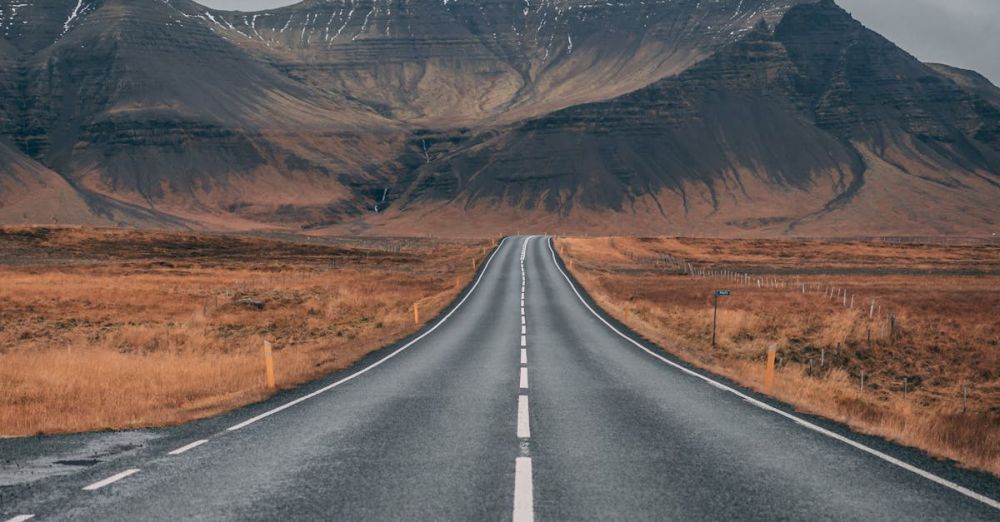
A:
{"x":524,"y":497}
{"x":110,"y":480}
{"x":523,"y":426}
{"x":524,"y":501}
{"x":187,"y":448}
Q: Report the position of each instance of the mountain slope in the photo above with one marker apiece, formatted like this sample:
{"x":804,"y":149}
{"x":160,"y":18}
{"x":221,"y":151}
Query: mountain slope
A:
{"x":33,"y":194}
{"x":730,"y":116}
{"x":456,"y":63}
{"x":802,"y":129}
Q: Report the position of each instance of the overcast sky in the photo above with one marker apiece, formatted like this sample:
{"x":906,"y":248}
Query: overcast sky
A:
{"x":963,"y":33}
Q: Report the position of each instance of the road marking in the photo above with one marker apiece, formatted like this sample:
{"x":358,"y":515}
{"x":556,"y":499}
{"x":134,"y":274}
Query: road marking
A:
{"x":524,"y":378}
{"x":380,"y":361}
{"x":804,"y":423}
{"x":187,"y":448}
{"x":522,"y":304}
{"x":524,"y":329}
{"x":522,"y":320}
{"x":523,"y":424}
{"x":111,"y":480}
{"x":524,"y":356}
{"x":524,"y":340}
{"x":22,"y":518}
{"x":524,"y":497}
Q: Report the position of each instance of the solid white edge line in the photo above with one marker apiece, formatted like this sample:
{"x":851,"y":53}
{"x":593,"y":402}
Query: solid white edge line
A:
{"x":523,"y":422}
{"x":524,"y":497}
{"x":189,"y":447}
{"x":802,"y":422}
{"x":524,"y":356}
{"x":110,"y":480}
{"x":524,"y":378}
{"x":22,"y":518}
{"x":380,"y":361}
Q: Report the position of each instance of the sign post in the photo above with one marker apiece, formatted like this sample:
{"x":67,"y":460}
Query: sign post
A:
{"x":715,"y":313}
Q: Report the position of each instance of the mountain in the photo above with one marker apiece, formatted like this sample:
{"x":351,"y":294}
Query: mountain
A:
{"x":766,"y":117}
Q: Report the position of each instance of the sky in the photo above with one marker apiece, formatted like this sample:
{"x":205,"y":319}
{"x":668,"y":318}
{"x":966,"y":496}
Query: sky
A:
{"x":963,"y":33}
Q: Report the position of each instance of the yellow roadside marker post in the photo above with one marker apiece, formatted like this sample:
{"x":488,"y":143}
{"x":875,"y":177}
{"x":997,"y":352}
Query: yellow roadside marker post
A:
{"x":772,"y":353}
{"x":269,"y":364}
{"x":416,"y":313}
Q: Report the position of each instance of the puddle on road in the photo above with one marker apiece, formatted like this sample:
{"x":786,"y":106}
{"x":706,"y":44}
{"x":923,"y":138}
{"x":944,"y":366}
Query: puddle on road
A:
{"x":27,"y":460}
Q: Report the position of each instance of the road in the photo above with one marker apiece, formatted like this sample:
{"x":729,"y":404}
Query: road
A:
{"x":502,"y":409}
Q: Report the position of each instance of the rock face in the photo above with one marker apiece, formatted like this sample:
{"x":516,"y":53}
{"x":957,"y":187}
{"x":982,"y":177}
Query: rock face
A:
{"x":671,"y":116}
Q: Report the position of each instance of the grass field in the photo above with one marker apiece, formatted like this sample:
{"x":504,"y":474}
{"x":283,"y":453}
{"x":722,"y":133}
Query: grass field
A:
{"x":919,"y":323}
{"x":120,"y":329}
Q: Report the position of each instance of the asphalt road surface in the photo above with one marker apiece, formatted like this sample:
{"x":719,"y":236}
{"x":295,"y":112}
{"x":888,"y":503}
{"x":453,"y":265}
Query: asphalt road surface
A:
{"x":520,"y":402}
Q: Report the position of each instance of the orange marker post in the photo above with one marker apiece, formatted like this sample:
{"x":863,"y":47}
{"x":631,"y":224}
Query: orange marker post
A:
{"x":269,"y":364}
{"x":772,"y":353}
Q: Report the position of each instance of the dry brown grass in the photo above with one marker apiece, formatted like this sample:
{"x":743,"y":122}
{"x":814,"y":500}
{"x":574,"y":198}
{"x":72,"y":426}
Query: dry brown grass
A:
{"x":945,"y":338}
{"x":119,"y":329}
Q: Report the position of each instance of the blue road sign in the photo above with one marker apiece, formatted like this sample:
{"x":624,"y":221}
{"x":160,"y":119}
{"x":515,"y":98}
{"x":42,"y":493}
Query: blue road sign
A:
{"x":723,"y":293}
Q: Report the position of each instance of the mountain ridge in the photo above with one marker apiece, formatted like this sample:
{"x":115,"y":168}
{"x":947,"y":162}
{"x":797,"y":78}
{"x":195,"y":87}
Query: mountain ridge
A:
{"x":727,"y":117}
